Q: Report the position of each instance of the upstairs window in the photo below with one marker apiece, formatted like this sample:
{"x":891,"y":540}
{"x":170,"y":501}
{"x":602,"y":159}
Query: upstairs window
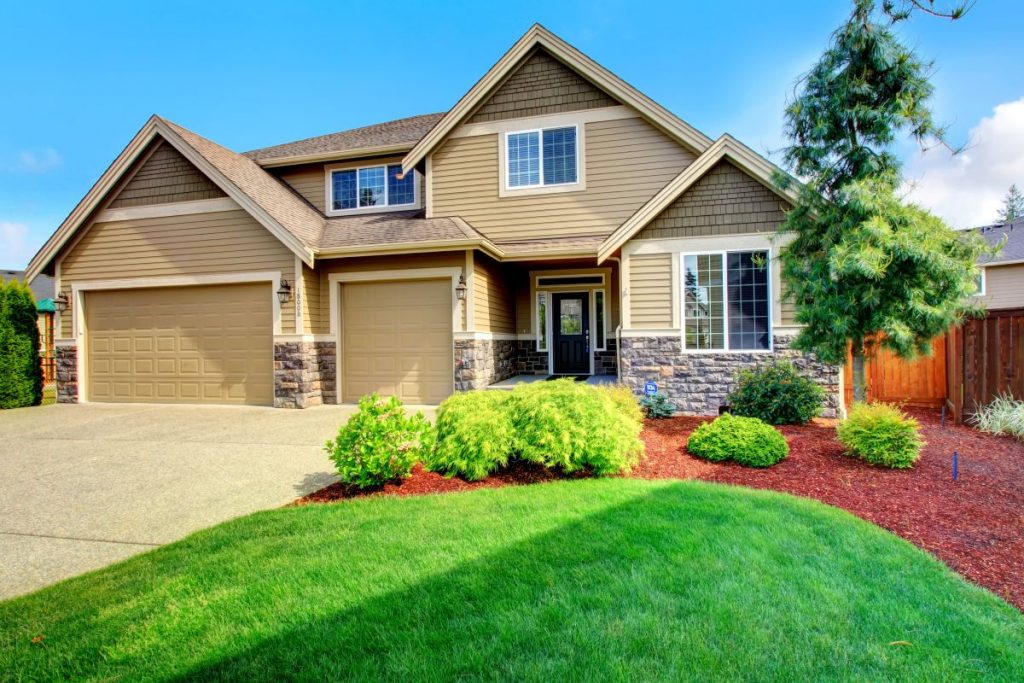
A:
{"x":538,"y":158}
{"x":726,"y":301}
{"x":372,"y":186}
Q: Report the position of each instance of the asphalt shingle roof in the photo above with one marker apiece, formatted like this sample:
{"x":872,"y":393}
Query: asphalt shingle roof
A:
{"x":382,"y":229}
{"x":1013,"y":250}
{"x":406,"y":131}
{"x":42,"y":286}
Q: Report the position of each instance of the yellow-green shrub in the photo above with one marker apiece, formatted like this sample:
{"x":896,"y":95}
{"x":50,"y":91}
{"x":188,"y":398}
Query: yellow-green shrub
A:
{"x":746,"y":440}
{"x":474,"y":435}
{"x":881,"y":434}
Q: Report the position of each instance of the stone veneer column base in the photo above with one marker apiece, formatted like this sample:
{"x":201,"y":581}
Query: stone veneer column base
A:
{"x":530,"y":361}
{"x":66,"y":356}
{"x":304,"y":374}
{"x":698,"y":383}
{"x":482,"y":362}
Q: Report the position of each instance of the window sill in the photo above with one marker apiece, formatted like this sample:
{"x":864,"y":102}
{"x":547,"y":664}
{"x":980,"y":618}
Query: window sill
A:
{"x":579,"y":186}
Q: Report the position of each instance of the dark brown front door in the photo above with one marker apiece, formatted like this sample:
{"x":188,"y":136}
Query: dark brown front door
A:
{"x":571,"y":321}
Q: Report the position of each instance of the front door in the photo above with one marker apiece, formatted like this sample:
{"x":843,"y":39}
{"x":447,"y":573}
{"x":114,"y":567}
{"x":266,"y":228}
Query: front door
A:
{"x":571,"y":322}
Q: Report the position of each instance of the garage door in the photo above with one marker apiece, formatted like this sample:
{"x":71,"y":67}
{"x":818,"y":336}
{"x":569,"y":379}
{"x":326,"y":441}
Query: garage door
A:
{"x":181,"y":345}
{"x":397,"y":340}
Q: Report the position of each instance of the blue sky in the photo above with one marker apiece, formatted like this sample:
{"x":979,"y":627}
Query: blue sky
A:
{"x":80,"y":79}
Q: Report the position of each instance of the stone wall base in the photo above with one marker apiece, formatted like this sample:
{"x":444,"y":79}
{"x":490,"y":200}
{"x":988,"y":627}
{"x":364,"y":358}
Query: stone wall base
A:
{"x":482,"y":362}
{"x":698,"y":383}
{"x":304,"y":374}
{"x":66,"y":356}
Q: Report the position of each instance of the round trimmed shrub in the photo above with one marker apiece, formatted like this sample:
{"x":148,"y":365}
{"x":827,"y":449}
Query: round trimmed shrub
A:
{"x":379,"y":443}
{"x":746,"y":440}
{"x":777,"y":394}
{"x":572,"y":426}
{"x":474,"y":435}
{"x":881,"y":434}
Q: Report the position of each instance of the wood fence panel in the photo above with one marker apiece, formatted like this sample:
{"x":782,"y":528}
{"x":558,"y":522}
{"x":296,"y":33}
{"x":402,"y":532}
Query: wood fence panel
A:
{"x":920,"y":382}
{"x":989,"y":361}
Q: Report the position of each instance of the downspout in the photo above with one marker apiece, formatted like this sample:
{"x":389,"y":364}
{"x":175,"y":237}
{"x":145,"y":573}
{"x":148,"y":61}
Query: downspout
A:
{"x":618,"y":328}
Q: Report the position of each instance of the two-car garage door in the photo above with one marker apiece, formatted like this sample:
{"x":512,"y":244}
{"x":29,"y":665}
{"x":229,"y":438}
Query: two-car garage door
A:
{"x":202,"y":344}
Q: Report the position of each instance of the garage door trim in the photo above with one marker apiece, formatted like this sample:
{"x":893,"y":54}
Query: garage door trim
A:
{"x":79,"y":289}
{"x":335,"y":280}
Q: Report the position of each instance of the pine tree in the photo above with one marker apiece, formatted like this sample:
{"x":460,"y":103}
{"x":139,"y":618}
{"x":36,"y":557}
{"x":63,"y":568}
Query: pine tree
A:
{"x":863,"y":264}
{"x":1013,"y":206}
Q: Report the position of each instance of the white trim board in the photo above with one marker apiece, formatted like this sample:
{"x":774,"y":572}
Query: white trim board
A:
{"x":581,"y":117}
{"x":130,"y":213}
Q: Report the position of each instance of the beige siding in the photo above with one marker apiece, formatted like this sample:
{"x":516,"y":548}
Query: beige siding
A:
{"x":448,"y":259}
{"x":726,"y":201}
{"x":524,"y":293}
{"x":627,"y":162}
{"x":541,"y":85}
{"x":197,"y":244}
{"x":650,"y":291}
{"x":311,"y":310}
{"x":493,"y":297}
{"x":1004,"y":287}
{"x":310,"y":180}
{"x":166,"y":176}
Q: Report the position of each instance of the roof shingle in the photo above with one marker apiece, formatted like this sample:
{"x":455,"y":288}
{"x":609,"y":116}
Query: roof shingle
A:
{"x":1013,"y":250}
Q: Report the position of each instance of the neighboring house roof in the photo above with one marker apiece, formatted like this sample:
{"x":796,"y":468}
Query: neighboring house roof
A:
{"x":1013,"y":248}
{"x":41,"y":286}
{"x":575,"y":60}
{"x":396,"y":137}
{"x":725,"y":147}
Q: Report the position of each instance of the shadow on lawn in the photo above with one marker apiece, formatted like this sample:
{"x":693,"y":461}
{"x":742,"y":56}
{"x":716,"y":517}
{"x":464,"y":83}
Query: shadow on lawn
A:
{"x":638,"y":591}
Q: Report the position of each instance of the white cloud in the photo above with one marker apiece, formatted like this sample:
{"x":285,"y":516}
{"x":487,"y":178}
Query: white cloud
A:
{"x":33,"y":161}
{"x":967,"y":189}
{"x":14,"y":252}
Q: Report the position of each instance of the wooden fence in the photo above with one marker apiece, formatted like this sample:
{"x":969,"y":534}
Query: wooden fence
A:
{"x":986,"y":359}
{"x":920,"y":382}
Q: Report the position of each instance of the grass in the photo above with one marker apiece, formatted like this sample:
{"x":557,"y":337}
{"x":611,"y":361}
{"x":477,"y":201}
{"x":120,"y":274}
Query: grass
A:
{"x":49,"y":395}
{"x":590,"y":580}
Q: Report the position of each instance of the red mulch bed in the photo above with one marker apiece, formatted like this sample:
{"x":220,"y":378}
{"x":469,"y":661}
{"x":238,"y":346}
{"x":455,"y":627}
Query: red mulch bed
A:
{"x":975,"y":525}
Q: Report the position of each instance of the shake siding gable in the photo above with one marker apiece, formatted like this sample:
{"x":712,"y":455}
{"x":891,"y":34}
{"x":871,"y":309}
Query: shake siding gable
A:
{"x":165,"y":177}
{"x":541,"y":85}
{"x":726,"y":201}
{"x":195,"y":244}
{"x":627,"y":162}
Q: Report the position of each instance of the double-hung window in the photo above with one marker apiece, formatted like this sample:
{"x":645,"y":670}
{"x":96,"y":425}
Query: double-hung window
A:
{"x":372,"y":186}
{"x":539,"y":158}
{"x":727,"y":301}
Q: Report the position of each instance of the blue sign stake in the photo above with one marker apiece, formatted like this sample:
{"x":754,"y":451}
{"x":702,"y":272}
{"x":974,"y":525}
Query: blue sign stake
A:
{"x":955,"y":473}
{"x":650,"y":389}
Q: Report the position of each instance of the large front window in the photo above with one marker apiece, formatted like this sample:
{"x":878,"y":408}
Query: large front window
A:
{"x":372,"y":186}
{"x":726,"y":301}
{"x":537,"y":158}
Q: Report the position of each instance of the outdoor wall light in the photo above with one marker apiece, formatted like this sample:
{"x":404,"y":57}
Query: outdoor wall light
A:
{"x":284,"y":294}
{"x":460,"y":289}
{"x":61,"y":302}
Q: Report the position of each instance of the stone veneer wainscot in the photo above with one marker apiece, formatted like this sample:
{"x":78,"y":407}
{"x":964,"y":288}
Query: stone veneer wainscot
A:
{"x":67,"y":373}
{"x":305,"y":373}
{"x":482,"y":362}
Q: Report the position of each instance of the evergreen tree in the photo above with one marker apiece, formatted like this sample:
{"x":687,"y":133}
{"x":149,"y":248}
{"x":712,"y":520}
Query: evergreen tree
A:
{"x":862,"y":263}
{"x":21,"y":377}
{"x":1013,"y":206}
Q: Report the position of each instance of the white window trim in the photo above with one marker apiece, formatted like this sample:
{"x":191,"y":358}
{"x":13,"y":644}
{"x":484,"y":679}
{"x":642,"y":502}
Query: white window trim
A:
{"x":417,"y":192}
{"x":983,"y":280}
{"x":506,"y":190}
{"x":725,"y":301}
{"x":542,"y":344}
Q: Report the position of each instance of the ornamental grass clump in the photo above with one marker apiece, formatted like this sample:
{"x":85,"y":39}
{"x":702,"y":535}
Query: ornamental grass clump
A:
{"x":474,"y":435}
{"x":572,"y":427}
{"x":1004,"y":415}
{"x":746,"y":440}
{"x":379,"y":443}
{"x":881,"y":434}
{"x":777,"y":394}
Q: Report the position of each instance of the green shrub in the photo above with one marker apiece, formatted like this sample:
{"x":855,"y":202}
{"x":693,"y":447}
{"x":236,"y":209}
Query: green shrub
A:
{"x":747,"y":440}
{"x":474,"y":435}
{"x":777,"y":394}
{"x":881,"y":434}
{"x":21,"y":376}
{"x":1004,"y":415}
{"x":658,"y":406}
{"x":571,"y":426}
{"x":624,"y":399}
{"x":379,"y":443}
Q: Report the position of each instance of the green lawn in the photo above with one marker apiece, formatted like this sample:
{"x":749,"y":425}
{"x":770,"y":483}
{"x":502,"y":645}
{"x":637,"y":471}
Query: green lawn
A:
{"x":586,"y":580}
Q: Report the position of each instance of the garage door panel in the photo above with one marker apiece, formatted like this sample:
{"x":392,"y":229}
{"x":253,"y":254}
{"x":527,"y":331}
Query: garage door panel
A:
{"x":181,"y":345}
{"x":397,"y":340}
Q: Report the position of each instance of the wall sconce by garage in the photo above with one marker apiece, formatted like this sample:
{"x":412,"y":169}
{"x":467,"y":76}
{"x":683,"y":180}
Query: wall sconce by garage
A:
{"x":284,"y":294}
{"x":460,"y":289}
{"x":61,"y":302}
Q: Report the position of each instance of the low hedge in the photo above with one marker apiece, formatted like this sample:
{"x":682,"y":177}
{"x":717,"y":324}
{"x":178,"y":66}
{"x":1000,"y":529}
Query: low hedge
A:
{"x":881,"y":434}
{"x":746,"y":440}
{"x":474,"y":435}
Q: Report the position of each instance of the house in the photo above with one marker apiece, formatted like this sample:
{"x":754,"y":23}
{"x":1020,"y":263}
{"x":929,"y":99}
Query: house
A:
{"x":42,"y":292}
{"x":1002,"y":279}
{"x":554,"y":221}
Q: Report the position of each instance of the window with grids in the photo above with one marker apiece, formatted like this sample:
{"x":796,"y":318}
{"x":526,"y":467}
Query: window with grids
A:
{"x":372,"y":186}
{"x":537,"y":158}
{"x":727,"y":301}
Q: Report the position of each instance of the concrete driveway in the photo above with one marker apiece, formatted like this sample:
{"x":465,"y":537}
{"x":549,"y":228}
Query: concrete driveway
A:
{"x":82,"y":486}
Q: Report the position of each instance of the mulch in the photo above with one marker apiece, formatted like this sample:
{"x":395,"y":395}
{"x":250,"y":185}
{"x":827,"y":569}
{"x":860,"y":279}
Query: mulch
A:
{"x":975,"y":524}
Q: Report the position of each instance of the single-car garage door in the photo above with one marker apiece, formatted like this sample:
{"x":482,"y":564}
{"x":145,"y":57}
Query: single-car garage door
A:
{"x":397,"y":340}
{"x":181,"y":345}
